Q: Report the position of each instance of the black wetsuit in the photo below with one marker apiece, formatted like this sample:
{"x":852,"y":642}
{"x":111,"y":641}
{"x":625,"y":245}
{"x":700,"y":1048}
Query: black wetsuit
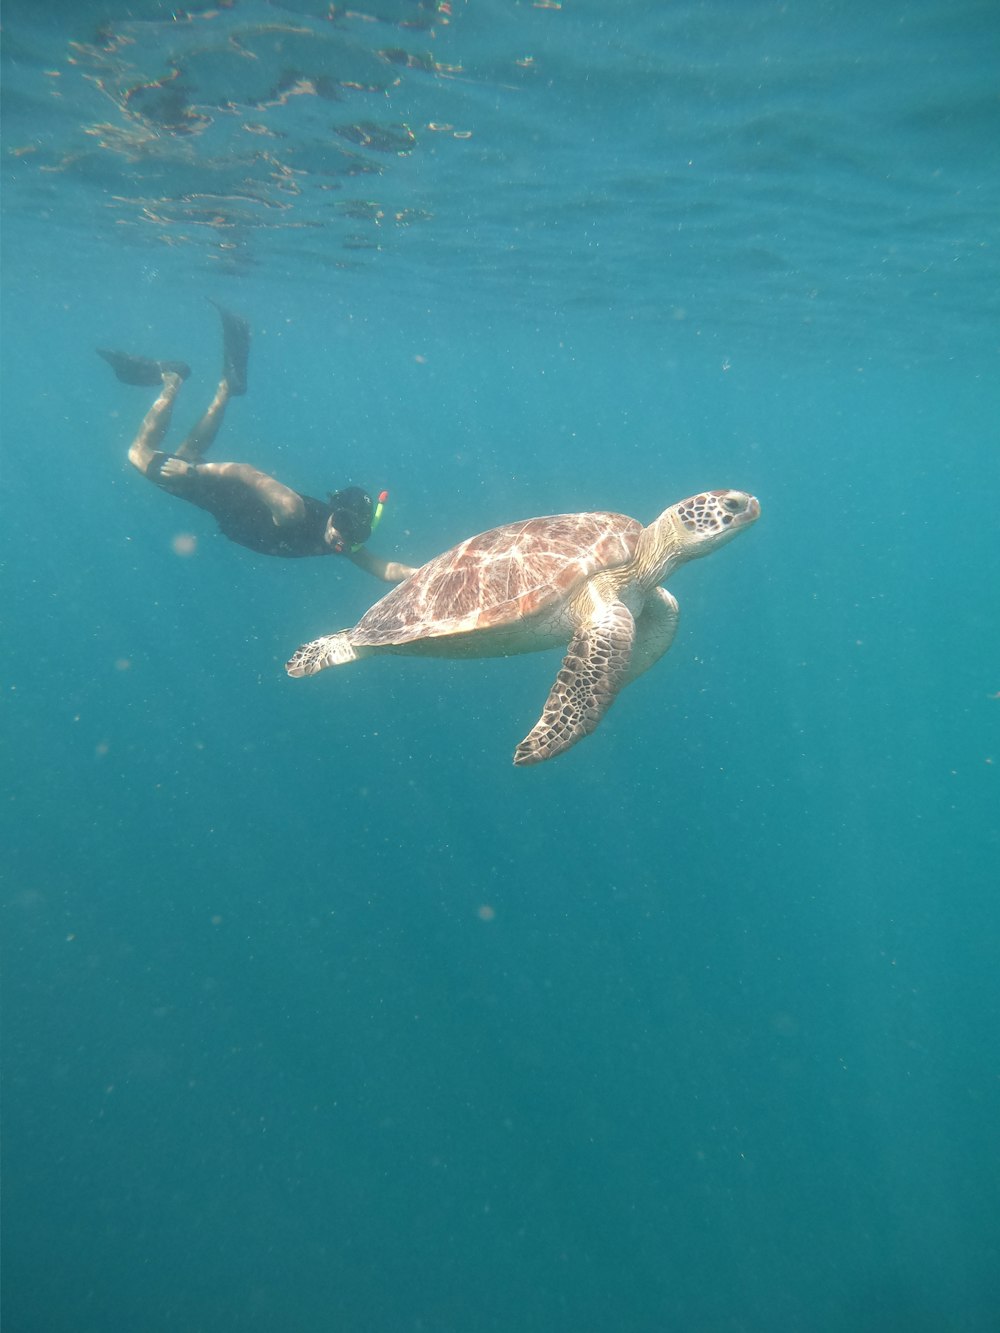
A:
{"x":244,"y":517}
{"x":250,"y":524}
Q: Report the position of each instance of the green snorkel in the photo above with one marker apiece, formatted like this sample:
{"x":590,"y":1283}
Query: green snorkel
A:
{"x":376,"y":518}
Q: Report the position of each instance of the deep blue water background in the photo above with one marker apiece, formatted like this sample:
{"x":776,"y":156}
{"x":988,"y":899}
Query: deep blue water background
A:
{"x":725,"y":1057}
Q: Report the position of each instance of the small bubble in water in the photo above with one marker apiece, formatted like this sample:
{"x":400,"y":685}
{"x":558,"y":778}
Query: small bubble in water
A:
{"x":185,"y":543}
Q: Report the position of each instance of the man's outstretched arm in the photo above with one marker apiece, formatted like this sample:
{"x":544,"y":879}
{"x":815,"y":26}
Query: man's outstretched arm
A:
{"x":389,"y":571}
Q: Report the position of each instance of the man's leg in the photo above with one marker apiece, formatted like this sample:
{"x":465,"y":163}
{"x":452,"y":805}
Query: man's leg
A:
{"x":201,"y":436}
{"x":233,"y":384}
{"x":144,"y":453}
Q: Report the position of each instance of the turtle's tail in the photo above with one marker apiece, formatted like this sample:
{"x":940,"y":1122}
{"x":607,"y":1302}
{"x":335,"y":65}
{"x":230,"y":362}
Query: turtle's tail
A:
{"x":331,"y":650}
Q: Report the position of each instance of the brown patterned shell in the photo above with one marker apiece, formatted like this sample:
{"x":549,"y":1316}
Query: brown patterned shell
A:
{"x":500,"y":577}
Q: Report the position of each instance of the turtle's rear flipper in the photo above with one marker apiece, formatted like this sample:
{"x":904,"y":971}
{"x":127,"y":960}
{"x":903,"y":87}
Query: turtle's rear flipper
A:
{"x":331,"y":650}
{"x":140,"y":370}
{"x":235,"y":350}
{"x":592,"y":673}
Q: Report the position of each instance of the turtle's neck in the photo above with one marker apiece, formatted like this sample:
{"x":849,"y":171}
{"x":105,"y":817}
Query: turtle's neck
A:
{"x":660,"y":549}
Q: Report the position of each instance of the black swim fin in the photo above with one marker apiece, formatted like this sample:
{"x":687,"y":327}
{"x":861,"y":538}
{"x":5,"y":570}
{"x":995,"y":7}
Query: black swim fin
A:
{"x":140,"y":370}
{"x":235,"y":350}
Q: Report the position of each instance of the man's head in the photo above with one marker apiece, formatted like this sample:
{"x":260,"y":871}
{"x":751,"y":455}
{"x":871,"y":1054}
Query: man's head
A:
{"x":350,"y":521}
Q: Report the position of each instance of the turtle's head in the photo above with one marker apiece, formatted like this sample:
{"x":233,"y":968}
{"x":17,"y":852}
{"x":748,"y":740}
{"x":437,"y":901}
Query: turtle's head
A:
{"x":691,"y":529}
{"x":706,"y":521}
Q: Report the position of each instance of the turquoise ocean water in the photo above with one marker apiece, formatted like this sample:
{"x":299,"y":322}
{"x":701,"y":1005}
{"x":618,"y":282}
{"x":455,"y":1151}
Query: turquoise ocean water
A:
{"x":320,"y":1017}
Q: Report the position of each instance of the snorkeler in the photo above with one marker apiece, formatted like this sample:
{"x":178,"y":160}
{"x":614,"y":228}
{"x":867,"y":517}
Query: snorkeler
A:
{"x":252,"y":508}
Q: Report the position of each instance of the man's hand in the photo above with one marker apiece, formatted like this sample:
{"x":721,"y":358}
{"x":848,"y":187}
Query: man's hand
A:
{"x":177,"y":467}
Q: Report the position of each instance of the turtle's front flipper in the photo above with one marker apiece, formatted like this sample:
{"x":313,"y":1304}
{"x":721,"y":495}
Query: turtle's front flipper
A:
{"x":331,"y":650}
{"x":654,"y":632}
{"x":592,"y":673}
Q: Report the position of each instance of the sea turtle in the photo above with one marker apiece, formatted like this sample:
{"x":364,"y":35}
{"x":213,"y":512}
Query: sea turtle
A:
{"x":587,"y":578}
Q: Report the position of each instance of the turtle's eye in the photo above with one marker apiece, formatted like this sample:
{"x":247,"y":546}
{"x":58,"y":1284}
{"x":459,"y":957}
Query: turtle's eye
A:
{"x":734,"y":506}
